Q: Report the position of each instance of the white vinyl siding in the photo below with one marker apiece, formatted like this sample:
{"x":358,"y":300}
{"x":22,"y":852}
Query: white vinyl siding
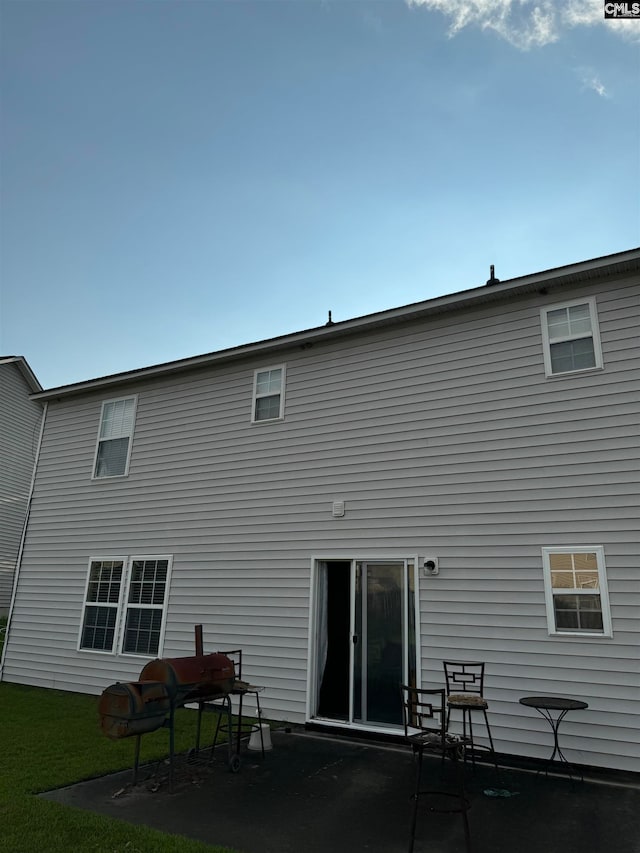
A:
{"x":268,"y":394}
{"x":576,"y":591}
{"x":20,"y":421}
{"x":571,"y":337}
{"x":115,"y":435}
{"x":142,"y":609}
{"x":442,"y":437}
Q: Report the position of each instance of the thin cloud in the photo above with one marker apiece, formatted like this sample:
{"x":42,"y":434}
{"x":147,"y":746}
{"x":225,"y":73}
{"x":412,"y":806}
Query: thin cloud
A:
{"x":593,"y":82}
{"x":526,"y":24}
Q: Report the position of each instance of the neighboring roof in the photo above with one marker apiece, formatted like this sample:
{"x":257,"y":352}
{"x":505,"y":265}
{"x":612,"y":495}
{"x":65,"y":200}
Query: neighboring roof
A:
{"x":597,"y":268}
{"x":23,"y":366}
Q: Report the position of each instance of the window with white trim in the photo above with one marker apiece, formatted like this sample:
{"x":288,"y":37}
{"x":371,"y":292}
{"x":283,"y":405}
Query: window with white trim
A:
{"x":102,"y":602}
{"x":115,"y":435}
{"x":576,"y":592}
{"x":145,"y":607}
{"x":268,"y":394}
{"x":571,"y":337}
{"x":125,"y":605}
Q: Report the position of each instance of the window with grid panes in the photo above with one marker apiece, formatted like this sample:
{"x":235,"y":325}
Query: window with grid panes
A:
{"x":268,"y":394}
{"x":114,"y":438}
{"x":571,"y":337}
{"x":145,"y":606}
{"x":125,"y":605}
{"x":576,"y":588}
{"x":101,"y":605}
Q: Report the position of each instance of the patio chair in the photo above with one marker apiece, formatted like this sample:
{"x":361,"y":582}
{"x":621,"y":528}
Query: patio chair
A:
{"x":425,"y":731}
{"x":241,"y":689}
{"x":465,"y":686}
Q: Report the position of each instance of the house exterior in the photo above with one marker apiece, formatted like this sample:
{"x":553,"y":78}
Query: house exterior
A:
{"x":354,"y":504}
{"x":20,"y":419}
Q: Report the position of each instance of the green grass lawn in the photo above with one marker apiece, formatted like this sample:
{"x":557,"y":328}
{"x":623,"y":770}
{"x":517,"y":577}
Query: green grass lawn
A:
{"x":49,"y":739}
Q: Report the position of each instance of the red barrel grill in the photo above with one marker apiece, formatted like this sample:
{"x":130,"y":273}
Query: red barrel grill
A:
{"x":140,"y":707}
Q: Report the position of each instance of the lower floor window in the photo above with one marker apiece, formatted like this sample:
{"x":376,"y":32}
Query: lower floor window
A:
{"x":125,"y":605}
{"x":576,"y":590}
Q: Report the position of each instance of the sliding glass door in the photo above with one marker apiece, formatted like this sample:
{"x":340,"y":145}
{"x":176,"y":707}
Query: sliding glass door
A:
{"x":366,"y":645}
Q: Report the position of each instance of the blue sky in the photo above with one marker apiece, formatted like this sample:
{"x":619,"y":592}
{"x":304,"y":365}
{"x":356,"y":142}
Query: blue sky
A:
{"x":180,"y":177}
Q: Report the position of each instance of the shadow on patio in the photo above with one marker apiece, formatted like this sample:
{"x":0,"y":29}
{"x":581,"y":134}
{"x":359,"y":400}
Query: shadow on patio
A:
{"x":316,"y":793}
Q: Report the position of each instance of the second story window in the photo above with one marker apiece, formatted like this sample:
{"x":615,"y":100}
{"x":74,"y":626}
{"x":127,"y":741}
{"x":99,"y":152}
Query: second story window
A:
{"x":571,"y":337}
{"x":115,"y":437}
{"x":268,"y":394}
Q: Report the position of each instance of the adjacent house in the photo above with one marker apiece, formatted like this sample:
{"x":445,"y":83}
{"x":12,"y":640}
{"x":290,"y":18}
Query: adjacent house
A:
{"x":20,"y":419}
{"x":354,"y":504}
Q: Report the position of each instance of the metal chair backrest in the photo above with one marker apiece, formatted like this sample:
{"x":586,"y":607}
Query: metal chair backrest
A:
{"x":464,"y":676}
{"x":423,"y":711}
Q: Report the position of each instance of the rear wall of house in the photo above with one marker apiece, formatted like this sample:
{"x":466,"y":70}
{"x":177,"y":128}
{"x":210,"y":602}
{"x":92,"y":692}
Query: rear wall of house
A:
{"x":443,"y":437}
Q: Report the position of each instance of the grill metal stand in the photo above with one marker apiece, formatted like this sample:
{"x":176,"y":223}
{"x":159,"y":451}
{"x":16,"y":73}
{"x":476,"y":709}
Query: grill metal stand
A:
{"x":137,"y":708}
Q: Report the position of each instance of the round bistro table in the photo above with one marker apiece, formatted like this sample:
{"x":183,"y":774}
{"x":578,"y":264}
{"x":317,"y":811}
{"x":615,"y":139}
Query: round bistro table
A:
{"x":554,"y":709}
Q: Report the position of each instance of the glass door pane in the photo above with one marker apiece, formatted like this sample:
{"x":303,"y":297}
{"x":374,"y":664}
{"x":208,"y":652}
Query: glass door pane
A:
{"x":380,"y":642}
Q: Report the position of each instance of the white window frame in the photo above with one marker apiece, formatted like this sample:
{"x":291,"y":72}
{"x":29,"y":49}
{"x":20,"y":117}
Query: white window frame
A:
{"x":123,"y":606}
{"x":602,"y":592}
{"x":594,"y":334}
{"x":111,"y":605}
{"x":411,"y":561}
{"x":256,"y":396}
{"x":129,"y":436}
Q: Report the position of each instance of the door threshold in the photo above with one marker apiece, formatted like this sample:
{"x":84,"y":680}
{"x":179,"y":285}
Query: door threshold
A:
{"x":385,"y":734}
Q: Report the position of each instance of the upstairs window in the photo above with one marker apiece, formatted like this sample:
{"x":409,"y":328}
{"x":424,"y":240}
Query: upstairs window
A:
{"x":576,"y":591}
{"x":571,"y":337}
{"x":268,"y":394}
{"x":125,"y":606}
{"x":114,"y":438}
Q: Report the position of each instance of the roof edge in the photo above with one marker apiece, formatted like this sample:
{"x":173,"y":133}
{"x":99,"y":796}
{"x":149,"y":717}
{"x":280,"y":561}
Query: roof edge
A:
{"x":619,"y":262}
{"x":23,"y":366}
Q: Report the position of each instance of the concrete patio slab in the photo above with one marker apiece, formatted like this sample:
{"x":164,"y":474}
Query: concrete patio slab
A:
{"x":317,"y":793}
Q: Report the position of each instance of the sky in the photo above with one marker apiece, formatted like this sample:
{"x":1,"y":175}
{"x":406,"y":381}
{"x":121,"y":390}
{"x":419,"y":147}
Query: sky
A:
{"x":182,"y":176}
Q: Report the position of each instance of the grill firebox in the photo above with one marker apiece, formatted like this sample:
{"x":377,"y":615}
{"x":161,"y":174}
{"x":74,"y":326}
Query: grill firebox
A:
{"x":133,"y":708}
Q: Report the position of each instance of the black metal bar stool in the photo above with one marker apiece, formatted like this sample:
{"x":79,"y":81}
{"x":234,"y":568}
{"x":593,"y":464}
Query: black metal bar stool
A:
{"x":425,"y":730}
{"x":465,"y":686}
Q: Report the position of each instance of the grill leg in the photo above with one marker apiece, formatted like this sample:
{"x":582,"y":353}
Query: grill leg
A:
{"x":230,"y":731}
{"x":260,"y":722}
{"x":136,"y":760}
{"x":172,"y":718}
{"x":239,"y":729}
{"x":199,"y":726}
{"x":215,"y":734}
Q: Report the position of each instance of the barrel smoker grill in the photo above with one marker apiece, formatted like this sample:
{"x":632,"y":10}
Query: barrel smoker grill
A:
{"x":143,"y":706}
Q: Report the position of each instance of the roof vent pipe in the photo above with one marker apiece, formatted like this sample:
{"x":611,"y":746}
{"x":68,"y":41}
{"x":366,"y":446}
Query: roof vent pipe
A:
{"x":492,"y":279}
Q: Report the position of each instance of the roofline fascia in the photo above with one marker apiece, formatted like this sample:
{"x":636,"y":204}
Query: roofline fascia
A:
{"x":608,"y":264}
{"x":23,"y":366}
